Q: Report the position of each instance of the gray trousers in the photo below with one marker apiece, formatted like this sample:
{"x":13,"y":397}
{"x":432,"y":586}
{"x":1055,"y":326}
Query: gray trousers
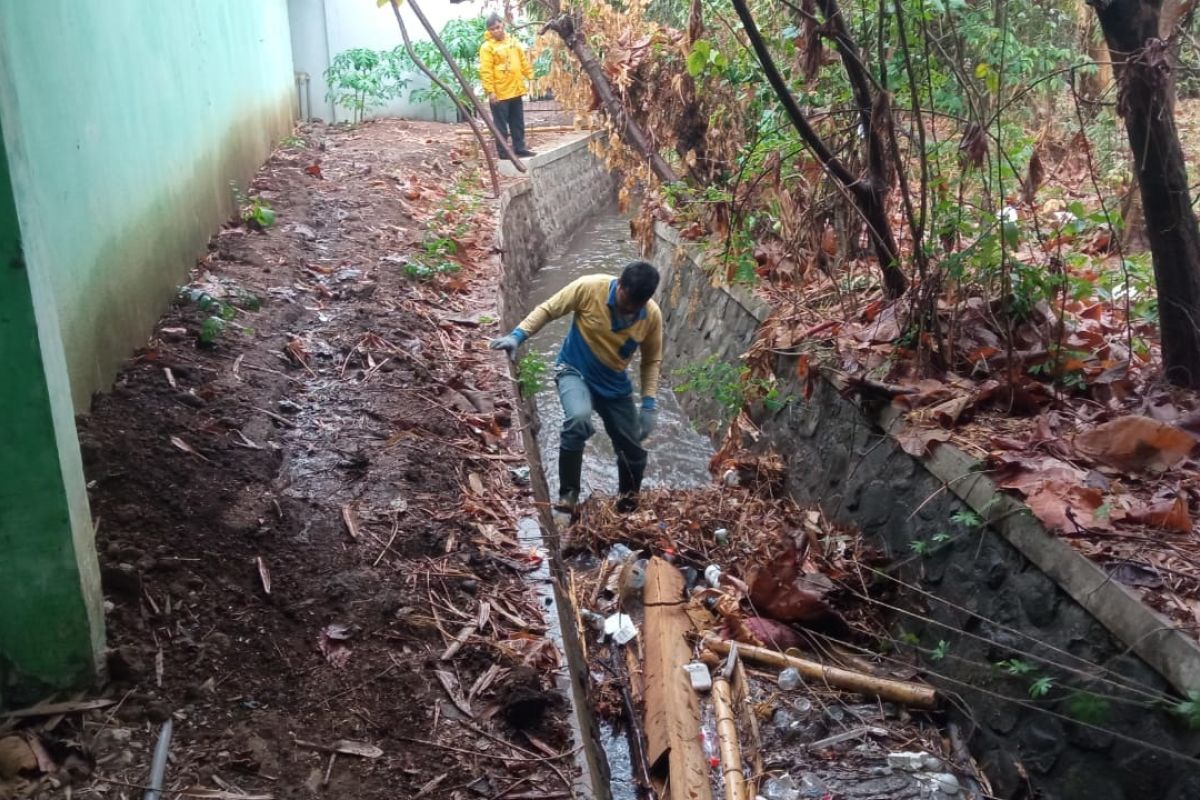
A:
{"x":620,"y":417}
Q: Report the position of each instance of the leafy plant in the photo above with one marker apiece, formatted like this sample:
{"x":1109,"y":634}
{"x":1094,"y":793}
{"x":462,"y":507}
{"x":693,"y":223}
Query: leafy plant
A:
{"x":1040,"y":687}
{"x":967,"y":518}
{"x":938,"y":653}
{"x":210,"y":329}
{"x":1087,"y":707}
{"x":1015,"y":666}
{"x":292,"y":140}
{"x":731,"y":386}
{"x":704,"y":56}
{"x":362,"y":79}
{"x":1189,"y":710}
{"x":433,"y":259}
{"x":462,"y":37}
{"x":531,"y":371}
{"x":254,"y":212}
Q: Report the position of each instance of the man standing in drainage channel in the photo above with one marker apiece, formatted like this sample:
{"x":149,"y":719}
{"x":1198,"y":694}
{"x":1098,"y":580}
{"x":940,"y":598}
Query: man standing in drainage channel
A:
{"x":503,"y":69}
{"x":613,"y":318}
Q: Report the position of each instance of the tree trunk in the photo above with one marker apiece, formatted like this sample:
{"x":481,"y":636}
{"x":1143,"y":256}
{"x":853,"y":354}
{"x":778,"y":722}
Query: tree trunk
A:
{"x":566,"y":26}
{"x":1143,"y":71}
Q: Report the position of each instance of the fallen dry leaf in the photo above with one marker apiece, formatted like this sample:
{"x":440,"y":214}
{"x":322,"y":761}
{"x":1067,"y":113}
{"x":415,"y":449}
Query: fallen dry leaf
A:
{"x":331,"y":644}
{"x":1063,"y":506}
{"x":918,"y":442}
{"x":1136,"y":443}
{"x":1168,"y":515}
{"x":187,"y":448}
{"x":947,"y":413}
{"x":264,"y":574}
{"x":780,"y":590}
{"x":1027,"y":475}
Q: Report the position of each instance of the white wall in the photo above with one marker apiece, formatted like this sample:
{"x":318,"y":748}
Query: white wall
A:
{"x":323,"y":28}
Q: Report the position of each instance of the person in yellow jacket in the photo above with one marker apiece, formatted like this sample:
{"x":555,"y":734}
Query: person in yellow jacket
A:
{"x":614,"y":317}
{"x":503,"y":69}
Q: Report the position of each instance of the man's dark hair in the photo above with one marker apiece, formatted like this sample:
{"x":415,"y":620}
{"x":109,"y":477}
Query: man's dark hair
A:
{"x":639,"y":279}
{"x":493,"y":18}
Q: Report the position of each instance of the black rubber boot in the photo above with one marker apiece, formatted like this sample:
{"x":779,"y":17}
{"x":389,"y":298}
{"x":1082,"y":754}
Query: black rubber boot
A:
{"x":629,"y":484}
{"x":570,"y":473}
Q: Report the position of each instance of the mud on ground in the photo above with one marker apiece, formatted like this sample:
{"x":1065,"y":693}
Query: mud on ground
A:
{"x":305,"y":488}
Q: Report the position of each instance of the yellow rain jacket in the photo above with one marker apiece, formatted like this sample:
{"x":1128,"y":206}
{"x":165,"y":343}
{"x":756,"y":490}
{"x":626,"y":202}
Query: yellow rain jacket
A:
{"x":503,"y":67}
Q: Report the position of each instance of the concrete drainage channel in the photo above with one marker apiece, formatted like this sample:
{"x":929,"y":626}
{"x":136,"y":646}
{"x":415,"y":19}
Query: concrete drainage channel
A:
{"x":1012,"y":606}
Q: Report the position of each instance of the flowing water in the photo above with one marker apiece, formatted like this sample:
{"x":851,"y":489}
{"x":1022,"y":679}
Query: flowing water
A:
{"x":678,"y":454}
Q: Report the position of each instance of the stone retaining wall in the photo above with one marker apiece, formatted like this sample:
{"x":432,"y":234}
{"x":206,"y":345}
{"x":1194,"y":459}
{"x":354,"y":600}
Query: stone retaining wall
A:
{"x":563,"y":187}
{"x":991,"y":593}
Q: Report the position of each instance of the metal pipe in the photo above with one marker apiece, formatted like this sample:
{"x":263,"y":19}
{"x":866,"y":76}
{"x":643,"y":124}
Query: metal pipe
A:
{"x":158,"y":767}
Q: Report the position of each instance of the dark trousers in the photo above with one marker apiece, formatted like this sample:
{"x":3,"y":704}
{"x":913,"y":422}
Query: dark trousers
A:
{"x":509,"y":115}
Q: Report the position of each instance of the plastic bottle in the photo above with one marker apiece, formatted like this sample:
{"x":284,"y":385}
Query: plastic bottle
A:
{"x":592,"y":618}
{"x":708,"y":741}
{"x":812,"y":786}
{"x":619,"y":553}
{"x":789,"y":679}
{"x":721,"y":537}
{"x":781,"y":788}
{"x":712,"y":574}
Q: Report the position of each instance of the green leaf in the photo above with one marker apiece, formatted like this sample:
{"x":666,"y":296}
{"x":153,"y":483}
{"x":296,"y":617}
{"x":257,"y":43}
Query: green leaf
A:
{"x":696,"y":61}
{"x":1040,"y":687}
{"x":1087,"y":707}
{"x":1012,"y":234}
{"x":982,"y":70}
{"x":1190,"y":710}
{"x":211,"y":329}
{"x":264,"y":216}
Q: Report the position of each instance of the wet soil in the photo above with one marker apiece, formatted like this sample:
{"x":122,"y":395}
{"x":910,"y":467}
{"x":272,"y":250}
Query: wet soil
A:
{"x":303,"y":495}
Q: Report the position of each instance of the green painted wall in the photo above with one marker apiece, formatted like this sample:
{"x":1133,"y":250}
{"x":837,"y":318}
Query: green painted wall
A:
{"x":123,"y":123}
{"x":51,"y":625}
{"x":127,"y":120}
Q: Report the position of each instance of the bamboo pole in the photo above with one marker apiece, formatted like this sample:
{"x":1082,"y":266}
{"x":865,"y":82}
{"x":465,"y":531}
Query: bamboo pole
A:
{"x":910,"y":694}
{"x":727,"y":738}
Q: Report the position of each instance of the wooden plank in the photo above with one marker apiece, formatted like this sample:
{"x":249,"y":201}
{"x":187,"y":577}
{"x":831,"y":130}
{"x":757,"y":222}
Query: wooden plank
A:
{"x":672,"y":708}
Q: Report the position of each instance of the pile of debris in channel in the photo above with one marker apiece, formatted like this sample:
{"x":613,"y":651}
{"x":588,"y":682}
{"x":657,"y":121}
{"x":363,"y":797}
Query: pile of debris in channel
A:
{"x":730,"y":639}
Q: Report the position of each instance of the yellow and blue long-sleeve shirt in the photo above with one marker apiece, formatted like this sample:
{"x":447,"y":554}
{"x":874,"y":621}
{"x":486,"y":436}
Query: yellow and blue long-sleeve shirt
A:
{"x":600,"y":343}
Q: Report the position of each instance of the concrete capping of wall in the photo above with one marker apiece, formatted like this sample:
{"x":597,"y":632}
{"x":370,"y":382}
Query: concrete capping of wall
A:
{"x":550,"y":156}
{"x":1172,"y":653}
